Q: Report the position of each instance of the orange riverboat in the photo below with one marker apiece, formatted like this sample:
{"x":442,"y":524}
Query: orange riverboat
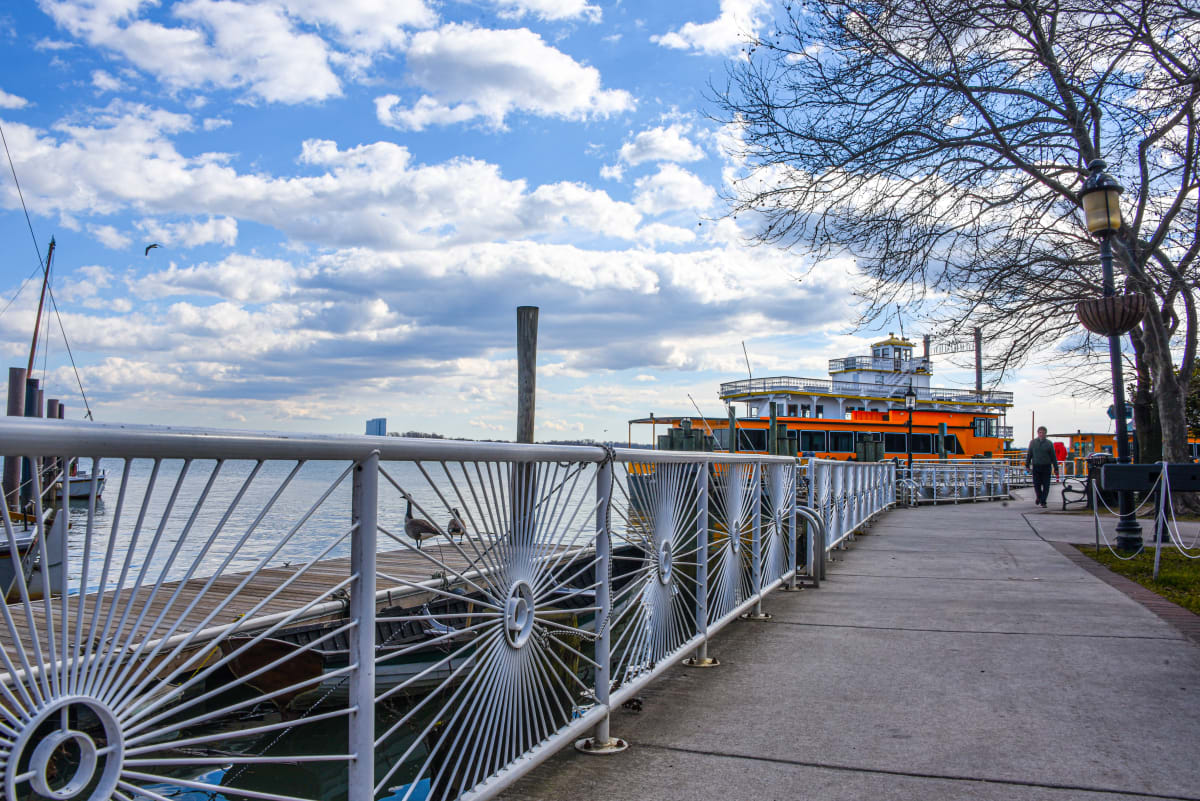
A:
{"x":862,"y":401}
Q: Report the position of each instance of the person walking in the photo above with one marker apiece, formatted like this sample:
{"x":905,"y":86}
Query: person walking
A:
{"x":1040,"y":459}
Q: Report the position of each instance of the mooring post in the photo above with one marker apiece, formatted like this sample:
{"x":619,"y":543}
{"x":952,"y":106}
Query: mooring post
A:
{"x":527,"y":325}
{"x":733,"y":435}
{"x":32,"y":409}
{"x":364,"y":515}
{"x":773,"y":431}
{"x":16,"y":408}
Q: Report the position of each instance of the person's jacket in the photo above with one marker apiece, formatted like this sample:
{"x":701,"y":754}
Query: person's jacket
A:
{"x":1041,"y":453}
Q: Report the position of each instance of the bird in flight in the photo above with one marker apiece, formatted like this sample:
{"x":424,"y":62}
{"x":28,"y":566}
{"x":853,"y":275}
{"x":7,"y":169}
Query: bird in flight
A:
{"x":150,"y":247}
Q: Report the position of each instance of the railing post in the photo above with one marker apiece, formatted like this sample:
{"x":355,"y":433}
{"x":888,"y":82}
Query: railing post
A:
{"x":702,"y":659}
{"x":792,"y":537}
{"x":756,"y":577}
{"x":364,"y":513}
{"x":601,"y":741}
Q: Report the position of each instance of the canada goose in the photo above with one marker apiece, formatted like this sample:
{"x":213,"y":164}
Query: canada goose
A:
{"x":455,"y":527}
{"x":417,"y":528}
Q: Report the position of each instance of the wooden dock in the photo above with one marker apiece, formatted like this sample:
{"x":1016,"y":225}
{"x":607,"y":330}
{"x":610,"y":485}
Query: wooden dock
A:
{"x":159,"y":607}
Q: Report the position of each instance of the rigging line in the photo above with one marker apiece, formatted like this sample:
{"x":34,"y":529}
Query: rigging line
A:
{"x":20,"y":289}
{"x":37,"y":249}
{"x":54,"y":304}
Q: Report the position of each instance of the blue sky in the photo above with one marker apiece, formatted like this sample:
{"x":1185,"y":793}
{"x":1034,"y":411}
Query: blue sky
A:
{"x":351,"y":197}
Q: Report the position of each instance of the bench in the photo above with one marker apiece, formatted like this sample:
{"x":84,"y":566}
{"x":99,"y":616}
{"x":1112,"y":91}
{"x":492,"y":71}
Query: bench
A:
{"x":1077,"y":492}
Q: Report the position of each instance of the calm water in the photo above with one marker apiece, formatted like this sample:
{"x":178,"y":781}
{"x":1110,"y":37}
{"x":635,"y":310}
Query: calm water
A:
{"x":144,"y":516}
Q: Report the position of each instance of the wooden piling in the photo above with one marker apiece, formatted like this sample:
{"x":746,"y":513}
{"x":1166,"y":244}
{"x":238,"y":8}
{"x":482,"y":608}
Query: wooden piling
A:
{"x":733,"y":431}
{"x":527,"y":323}
{"x":773,"y":430}
{"x":16,"y":408}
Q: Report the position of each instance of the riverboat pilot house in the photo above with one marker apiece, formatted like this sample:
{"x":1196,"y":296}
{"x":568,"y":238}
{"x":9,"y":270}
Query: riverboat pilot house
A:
{"x":862,"y":401}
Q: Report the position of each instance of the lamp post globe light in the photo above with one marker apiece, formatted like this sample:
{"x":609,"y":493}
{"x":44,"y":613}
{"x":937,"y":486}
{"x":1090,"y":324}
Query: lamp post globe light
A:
{"x":910,"y":403}
{"x":1102,"y":214}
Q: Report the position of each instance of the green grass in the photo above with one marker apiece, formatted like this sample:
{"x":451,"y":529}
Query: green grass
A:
{"x":1178,"y":576}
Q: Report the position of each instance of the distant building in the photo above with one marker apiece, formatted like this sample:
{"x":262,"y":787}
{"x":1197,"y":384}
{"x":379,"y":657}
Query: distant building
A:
{"x":377,"y":427}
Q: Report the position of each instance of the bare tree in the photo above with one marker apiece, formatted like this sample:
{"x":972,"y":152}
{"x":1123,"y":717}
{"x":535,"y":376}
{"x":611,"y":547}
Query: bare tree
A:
{"x":942,"y":143}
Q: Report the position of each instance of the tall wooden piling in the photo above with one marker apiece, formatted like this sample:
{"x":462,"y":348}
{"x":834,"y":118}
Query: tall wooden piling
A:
{"x":773,"y":430}
{"x":527,"y":324}
{"x":16,"y":408}
{"x":733,"y":431}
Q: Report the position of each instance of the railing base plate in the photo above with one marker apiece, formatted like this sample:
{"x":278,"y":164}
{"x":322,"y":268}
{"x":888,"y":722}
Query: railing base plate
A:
{"x":755,"y":616}
{"x":706,"y":662}
{"x":590,"y":745}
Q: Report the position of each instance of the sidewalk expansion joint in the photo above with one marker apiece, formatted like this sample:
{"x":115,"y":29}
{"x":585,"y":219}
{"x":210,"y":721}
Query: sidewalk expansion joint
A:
{"x":916,"y":774}
{"x":977,"y":631}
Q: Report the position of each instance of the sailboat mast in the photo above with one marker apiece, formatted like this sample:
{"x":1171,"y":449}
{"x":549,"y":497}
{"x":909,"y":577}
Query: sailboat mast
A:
{"x":41,"y":302}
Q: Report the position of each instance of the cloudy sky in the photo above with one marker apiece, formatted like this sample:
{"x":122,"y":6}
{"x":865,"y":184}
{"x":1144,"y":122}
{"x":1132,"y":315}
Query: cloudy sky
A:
{"x":351,"y":197}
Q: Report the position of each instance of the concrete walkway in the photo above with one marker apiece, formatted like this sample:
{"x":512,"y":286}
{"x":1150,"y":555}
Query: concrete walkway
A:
{"x":954,"y":652}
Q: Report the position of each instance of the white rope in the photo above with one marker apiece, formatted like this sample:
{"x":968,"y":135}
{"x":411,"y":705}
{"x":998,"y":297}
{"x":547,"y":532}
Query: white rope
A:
{"x":1097,"y":497}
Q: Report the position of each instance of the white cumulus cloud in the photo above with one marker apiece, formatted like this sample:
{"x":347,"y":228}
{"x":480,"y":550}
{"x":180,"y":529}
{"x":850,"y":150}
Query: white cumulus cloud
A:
{"x":672,"y":188}
{"x":12,"y":101}
{"x":220,"y":43}
{"x":668,"y":143}
{"x":549,"y":9}
{"x":190,"y":233}
{"x":738,"y":19}
{"x":468,"y":72}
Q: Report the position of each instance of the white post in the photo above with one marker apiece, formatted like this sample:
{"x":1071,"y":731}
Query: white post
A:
{"x":702,"y":659}
{"x":756,"y":578}
{"x":364,"y":508}
{"x":604,"y":479}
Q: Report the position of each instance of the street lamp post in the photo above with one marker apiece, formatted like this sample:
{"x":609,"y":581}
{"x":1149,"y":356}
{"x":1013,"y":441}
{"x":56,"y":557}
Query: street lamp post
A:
{"x":1102,"y":213}
{"x":910,"y":403}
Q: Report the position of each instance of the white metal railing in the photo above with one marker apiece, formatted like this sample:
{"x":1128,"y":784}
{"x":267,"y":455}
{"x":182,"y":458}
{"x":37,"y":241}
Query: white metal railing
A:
{"x":309,"y":617}
{"x":848,"y":494}
{"x":953,"y":482}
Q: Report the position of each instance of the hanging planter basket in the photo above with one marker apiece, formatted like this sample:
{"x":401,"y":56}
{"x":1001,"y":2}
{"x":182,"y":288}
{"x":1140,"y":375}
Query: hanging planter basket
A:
{"x":1111,"y":317}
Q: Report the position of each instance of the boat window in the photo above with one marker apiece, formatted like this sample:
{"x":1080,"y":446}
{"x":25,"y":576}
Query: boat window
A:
{"x":952,"y":445}
{"x":812,"y":440}
{"x":754,"y":411}
{"x":985,"y":426}
{"x":868,"y":436}
{"x":922,"y":443}
{"x":894,"y":443}
{"x":752,"y":439}
{"x":820,"y":410}
{"x":805,"y":410}
{"x":841,"y":441}
{"x":793,"y":410}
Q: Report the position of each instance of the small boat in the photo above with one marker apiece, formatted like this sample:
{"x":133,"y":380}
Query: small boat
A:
{"x":79,"y":486}
{"x":42,"y":567}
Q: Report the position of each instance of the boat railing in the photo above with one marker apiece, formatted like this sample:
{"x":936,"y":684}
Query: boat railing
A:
{"x":398,"y":617}
{"x":747,"y":386}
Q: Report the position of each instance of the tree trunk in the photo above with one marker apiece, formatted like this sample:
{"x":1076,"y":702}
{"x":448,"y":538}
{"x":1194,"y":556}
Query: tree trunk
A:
{"x":1175,"y":448}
